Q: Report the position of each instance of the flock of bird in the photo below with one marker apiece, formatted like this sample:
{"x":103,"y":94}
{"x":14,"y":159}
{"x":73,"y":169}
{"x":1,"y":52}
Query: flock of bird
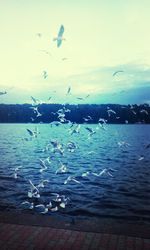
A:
{"x":55,"y":148}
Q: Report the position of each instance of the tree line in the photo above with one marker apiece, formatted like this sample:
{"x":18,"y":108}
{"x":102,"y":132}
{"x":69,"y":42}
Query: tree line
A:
{"x":24,"y":113}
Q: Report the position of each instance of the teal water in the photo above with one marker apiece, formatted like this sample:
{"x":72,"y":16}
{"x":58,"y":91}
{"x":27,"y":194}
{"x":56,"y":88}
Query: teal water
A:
{"x":122,"y":192}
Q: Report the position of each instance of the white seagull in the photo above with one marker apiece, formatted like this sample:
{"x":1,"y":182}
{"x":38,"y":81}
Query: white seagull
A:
{"x":59,"y":37}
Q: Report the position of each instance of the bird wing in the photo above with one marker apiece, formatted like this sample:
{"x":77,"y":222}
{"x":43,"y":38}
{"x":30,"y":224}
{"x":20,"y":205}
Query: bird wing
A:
{"x":61,"y":31}
{"x":30,"y":132}
{"x":68,"y":90}
{"x":59,"y":42}
{"x":3,"y":93}
{"x":40,"y":206}
{"x":119,"y":71}
{"x":89,"y":129}
{"x":33,"y":99}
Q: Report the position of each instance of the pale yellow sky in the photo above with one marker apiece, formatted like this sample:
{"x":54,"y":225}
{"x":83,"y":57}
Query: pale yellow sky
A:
{"x":99,"y":35}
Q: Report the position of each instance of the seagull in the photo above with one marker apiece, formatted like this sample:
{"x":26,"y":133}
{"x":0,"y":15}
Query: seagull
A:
{"x":141,"y":158}
{"x":33,"y":133}
{"x":88,"y":118}
{"x":35,"y":110}
{"x":45,"y":75}
{"x":3,"y":92}
{"x":49,"y":205}
{"x":57,"y":147}
{"x":102,"y":123}
{"x":85,"y":174}
{"x":123,"y":143}
{"x":62,"y":200}
{"x":39,"y":35}
{"x":70,"y":178}
{"x":90,"y":152}
{"x":54,"y":209}
{"x":34,"y":100}
{"x":44,"y":167}
{"x":104,"y":171}
{"x":101,"y":173}
{"x":133,"y":112}
{"x":110,"y":111}
{"x":30,"y":132}
{"x":144,"y":111}
{"x":48,"y":159}
{"x":117,"y":72}
{"x":68,"y":91}
{"x":71,"y":146}
{"x":41,"y":184}
{"x":75,"y":130}
{"x":27,"y":205}
{"x":89,"y":129}
{"x":62,"y":205}
{"x":15,"y":175}
{"x":80,"y":98}
{"x":41,"y":208}
{"x":33,"y":192}
{"x":64,"y":58}
{"x":62,"y":169}
{"x":58,"y":198}
{"x":92,"y":132}
{"x":59,"y":37}
{"x":55,"y":123}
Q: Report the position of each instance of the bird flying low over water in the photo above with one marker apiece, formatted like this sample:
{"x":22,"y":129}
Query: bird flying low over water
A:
{"x":59,"y":37}
{"x":117,"y":72}
{"x":27,"y":205}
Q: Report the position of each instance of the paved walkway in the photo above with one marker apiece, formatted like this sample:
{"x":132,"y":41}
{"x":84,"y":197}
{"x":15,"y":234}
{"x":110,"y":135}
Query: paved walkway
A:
{"x":21,"y":237}
{"x":20,"y":231}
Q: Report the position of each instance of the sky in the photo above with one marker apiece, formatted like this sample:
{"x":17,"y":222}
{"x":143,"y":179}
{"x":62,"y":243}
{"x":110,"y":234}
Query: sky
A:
{"x":101,"y":37}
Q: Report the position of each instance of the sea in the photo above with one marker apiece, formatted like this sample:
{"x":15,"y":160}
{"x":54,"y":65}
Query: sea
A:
{"x":107,"y":171}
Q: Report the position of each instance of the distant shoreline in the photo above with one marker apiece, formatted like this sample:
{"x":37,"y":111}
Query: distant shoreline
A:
{"x":81,"y":113}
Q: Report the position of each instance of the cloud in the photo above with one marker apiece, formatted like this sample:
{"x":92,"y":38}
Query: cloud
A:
{"x":98,"y":82}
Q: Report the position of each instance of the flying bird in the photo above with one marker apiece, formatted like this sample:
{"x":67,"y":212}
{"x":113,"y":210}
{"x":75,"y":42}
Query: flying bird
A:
{"x":27,"y":205}
{"x":68,"y":91}
{"x":35,"y":101}
{"x":59,"y":37}
{"x":80,"y":98}
{"x":117,"y":72}
{"x":45,"y":75}
{"x":64,"y":58}
{"x":3,"y":92}
{"x":30,"y":132}
{"x":41,"y":208}
{"x":39,"y":35}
